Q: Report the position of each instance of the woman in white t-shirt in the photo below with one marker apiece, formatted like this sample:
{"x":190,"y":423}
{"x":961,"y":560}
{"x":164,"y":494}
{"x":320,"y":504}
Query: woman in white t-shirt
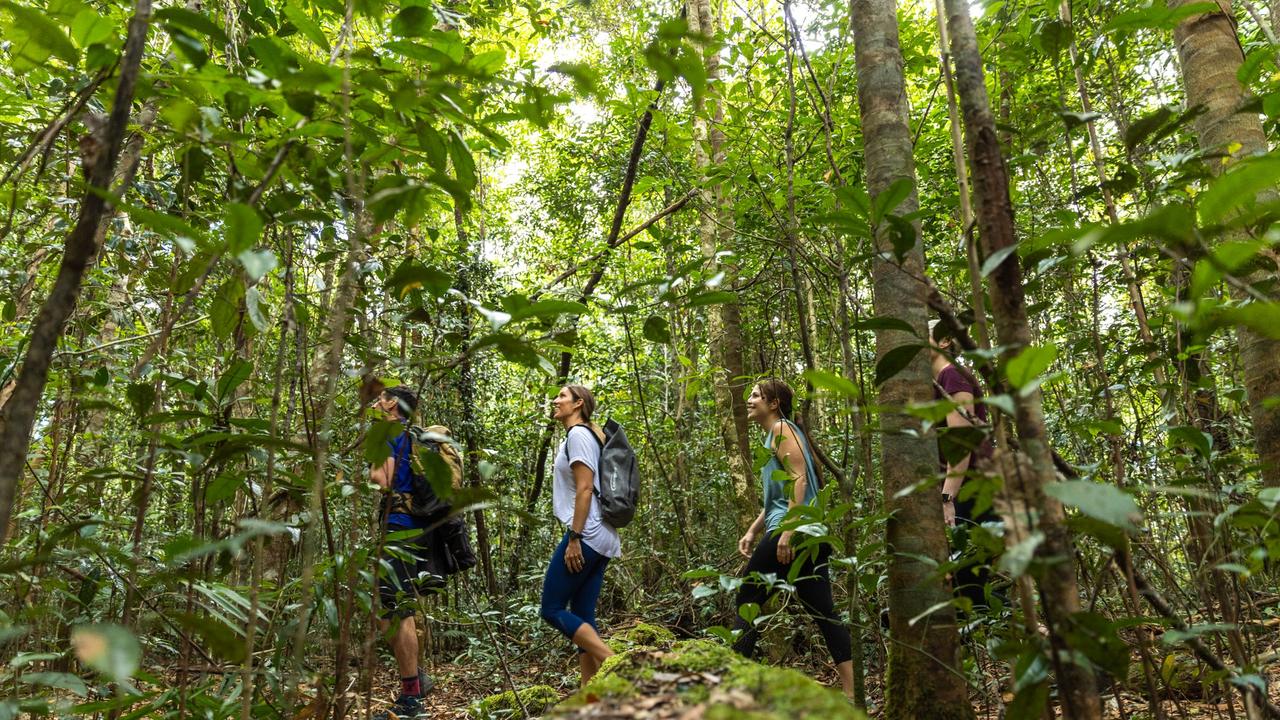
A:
{"x":576,"y":571}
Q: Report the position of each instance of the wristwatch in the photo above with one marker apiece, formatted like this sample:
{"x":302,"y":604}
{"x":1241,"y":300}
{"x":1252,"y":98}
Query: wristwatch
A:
{"x":947,"y":497}
{"x":575,"y":535}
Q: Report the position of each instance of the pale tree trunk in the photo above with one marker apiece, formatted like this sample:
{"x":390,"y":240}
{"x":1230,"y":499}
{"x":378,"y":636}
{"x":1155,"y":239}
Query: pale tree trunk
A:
{"x":724,"y":322}
{"x":924,"y":676}
{"x":1058,"y":589}
{"x":1210,"y":55}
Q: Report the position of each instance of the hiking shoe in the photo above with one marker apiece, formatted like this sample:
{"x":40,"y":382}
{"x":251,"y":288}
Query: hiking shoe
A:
{"x":406,"y":707}
{"x":425,"y":683}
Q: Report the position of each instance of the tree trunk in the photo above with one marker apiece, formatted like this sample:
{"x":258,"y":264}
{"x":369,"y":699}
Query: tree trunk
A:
{"x":724,"y":322}
{"x":1058,"y":590}
{"x":1210,"y":55}
{"x":18,"y":416}
{"x":467,"y":398}
{"x":924,"y":679}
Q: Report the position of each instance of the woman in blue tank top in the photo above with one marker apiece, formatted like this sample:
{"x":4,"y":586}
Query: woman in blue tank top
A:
{"x":789,"y":479}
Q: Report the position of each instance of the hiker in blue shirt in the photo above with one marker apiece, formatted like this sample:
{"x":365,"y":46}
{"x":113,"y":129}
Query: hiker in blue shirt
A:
{"x":406,"y":557}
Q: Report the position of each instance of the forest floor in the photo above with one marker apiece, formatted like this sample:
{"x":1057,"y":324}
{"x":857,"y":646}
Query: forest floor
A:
{"x":459,"y":686}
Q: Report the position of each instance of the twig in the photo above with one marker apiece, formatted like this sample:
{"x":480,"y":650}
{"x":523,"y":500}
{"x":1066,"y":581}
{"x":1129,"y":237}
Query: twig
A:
{"x":132,"y":338}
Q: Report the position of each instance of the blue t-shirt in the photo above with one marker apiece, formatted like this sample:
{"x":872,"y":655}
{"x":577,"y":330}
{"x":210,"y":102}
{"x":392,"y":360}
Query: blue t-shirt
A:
{"x":402,"y":480}
{"x":777,"y":494}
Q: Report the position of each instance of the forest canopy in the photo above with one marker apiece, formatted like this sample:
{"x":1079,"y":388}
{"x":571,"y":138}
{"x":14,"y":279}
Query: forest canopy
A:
{"x":230,"y":225}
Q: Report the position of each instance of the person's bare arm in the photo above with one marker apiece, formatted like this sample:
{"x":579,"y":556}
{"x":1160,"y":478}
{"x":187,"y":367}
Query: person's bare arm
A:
{"x":789,"y":453}
{"x":382,"y":474}
{"x":753,"y":532}
{"x":959,"y":417}
{"x":584,"y":485}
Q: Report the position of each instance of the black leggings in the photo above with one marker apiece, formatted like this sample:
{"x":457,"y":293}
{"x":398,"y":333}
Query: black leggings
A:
{"x":813,"y":587}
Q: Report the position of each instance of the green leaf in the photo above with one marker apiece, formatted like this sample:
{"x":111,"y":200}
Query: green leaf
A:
{"x":1147,"y":125}
{"x":1030,"y":364}
{"x":1175,"y":636}
{"x":1016,"y":560}
{"x":224,"y":312}
{"x":888,"y":200}
{"x":714,"y":297}
{"x":1194,"y":438}
{"x":110,"y":649}
{"x":1238,"y":187}
{"x":89,"y":28}
{"x":58,"y":680}
{"x":39,"y":30}
{"x":224,"y":486}
{"x":656,"y":330}
{"x":308,"y":27}
{"x":412,"y":275}
{"x":464,"y":166}
{"x":895,"y":361}
{"x":833,"y":383}
{"x":997,"y":257}
{"x":224,"y":642}
{"x":488,"y":63}
{"x":377,"y":446}
{"x":1106,"y":503}
{"x":547,"y":309}
{"x":141,"y":397}
{"x":253,"y":304}
{"x":1157,"y":16}
{"x":233,"y":377}
{"x":885,"y":323}
{"x":413,"y":21}
{"x":257,"y":263}
{"x":193,"y":21}
{"x":243,"y":227}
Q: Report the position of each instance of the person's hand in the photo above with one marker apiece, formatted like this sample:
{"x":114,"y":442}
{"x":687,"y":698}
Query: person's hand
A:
{"x":744,"y":544}
{"x":573,"y":556}
{"x":949,"y":513}
{"x":786,"y":553}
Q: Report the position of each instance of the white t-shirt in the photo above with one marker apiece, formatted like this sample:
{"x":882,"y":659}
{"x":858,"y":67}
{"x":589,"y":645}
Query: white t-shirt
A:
{"x":581,"y":446}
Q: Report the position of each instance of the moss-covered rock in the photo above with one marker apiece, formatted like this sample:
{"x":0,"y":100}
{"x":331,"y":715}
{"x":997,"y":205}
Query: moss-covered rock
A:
{"x":536,"y":700}
{"x":646,"y":634}
{"x":701,"y":674}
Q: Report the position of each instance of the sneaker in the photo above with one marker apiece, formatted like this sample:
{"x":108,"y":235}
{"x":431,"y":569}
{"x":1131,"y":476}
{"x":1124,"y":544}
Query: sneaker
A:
{"x":406,"y":707}
{"x":425,"y":683}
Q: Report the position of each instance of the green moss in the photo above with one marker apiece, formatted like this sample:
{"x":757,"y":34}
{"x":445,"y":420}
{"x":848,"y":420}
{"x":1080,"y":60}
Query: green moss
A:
{"x":701,"y":656}
{"x":603,"y":685}
{"x":788,"y":692}
{"x":536,"y":700}
{"x":646,"y":634}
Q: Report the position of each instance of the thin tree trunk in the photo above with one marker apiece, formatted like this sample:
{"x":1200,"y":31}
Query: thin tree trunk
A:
{"x":967,"y":235}
{"x":924,"y":679}
{"x":18,"y":415}
{"x":715,"y":234}
{"x":467,"y":398}
{"x":1058,"y":589}
{"x":1210,"y":55}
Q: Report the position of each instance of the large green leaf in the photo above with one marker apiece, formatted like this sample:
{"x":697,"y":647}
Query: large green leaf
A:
{"x":110,"y":649}
{"x":896,"y":360}
{"x":1030,"y":364}
{"x":1102,"y":502}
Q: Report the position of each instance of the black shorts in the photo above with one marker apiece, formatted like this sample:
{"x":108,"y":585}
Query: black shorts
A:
{"x":399,"y":588}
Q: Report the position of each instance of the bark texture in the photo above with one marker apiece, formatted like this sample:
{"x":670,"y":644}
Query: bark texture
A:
{"x":1058,"y":589}
{"x":1210,"y":55}
{"x":924,"y":678}
{"x":715,"y":234}
{"x":78,"y":253}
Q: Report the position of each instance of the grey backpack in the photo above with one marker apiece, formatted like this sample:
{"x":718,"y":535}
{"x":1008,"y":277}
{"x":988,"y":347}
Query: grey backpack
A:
{"x":618,"y":481}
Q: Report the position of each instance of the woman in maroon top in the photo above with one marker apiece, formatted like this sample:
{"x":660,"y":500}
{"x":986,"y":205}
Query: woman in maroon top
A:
{"x":955,"y":383}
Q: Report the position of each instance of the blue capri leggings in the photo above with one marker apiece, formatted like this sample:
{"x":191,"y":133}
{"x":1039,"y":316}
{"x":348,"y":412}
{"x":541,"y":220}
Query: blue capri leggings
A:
{"x":569,"y":599}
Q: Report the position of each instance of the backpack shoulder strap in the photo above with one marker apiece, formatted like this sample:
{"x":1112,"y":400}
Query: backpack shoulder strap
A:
{"x":590,"y":431}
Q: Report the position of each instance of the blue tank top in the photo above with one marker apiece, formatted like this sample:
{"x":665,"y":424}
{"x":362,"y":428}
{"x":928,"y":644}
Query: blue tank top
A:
{"x":777,"y":494}
{"x":401,"y":450}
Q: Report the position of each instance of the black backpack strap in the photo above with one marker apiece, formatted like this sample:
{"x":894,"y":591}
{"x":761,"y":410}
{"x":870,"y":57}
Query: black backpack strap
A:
{"x":589,"y":430}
